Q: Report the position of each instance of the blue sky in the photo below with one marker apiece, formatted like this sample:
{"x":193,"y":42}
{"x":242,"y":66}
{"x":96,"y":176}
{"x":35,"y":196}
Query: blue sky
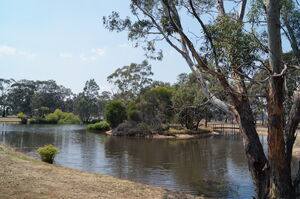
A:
{"x":65,"y":40}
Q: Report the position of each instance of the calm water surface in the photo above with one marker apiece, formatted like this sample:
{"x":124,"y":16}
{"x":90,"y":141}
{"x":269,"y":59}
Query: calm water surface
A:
{"x":214,"y":166}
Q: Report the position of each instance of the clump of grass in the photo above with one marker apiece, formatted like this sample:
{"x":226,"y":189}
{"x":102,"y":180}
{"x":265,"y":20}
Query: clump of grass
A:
{"x":48,"y":153}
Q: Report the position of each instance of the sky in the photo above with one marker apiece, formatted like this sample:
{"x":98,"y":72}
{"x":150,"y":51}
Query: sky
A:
{"x":65,"y":40}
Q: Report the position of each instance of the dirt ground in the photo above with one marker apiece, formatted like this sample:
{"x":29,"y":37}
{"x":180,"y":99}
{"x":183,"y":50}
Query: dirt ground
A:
{"x":24,"y":178}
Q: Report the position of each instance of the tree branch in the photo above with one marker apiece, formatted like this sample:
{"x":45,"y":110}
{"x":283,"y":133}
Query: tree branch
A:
{"x":242,"y":10}
{"x":220,"y":7}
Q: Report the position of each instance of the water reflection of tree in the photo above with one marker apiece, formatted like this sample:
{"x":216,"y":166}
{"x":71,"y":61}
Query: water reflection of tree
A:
{"x":198,"y":165}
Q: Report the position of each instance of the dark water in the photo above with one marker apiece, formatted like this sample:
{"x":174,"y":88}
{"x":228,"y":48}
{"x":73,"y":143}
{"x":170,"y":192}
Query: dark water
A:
{"x":214,"y":166}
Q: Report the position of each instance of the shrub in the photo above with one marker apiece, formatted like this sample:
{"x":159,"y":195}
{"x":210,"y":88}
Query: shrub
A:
{"x":41,"y":121}
{"x":55,"y":116}
{"x":62,"y":118}
{"x":115,"y":113}
{"x":23,"y":117}
{"x":132,"y":129}
{"x":99,"y":126}
{"x":48,"y":153}
{"x":95,"y":121}
{"x":69,"y":118}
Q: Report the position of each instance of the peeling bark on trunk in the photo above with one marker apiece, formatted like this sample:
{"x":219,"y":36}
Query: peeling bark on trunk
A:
{"x":280,"y":175}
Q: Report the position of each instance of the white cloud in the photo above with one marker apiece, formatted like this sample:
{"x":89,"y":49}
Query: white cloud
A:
{"x":66,"y":55}
{"x":84,"y":57}
{"x":7,"y":50}
{"x":98,"y":51}
{"x":95,"y":53}
{"x":27,"y":55}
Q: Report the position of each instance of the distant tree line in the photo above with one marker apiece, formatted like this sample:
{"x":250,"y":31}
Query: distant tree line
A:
{"x":38,"y":98}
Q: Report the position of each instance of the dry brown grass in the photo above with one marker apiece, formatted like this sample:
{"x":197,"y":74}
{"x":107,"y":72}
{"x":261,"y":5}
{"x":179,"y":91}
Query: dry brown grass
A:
{"x":24,"y":178}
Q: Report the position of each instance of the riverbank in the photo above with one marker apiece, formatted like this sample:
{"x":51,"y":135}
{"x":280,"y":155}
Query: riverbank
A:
{"x":23,"y":177}
{"x":10,"y":120}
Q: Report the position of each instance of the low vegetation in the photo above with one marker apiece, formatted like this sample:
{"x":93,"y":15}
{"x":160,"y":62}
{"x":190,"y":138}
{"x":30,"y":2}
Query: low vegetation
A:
{"x":99,"y":126}
{"x":57,"y":117}
{"x":48,"y":153}
{"x":23,"y":117}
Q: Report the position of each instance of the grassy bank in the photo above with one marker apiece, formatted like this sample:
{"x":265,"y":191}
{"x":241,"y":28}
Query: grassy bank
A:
{"x":23,"y":177}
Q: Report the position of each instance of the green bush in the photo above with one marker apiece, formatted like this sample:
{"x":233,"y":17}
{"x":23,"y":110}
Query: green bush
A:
{"x":41,"y":121}
{"x":133,"y":114}
{"x":55,"y":116}
{"x":99,"y":126}
{"x":23,"y":117}
{"x":48,"y":153}
{"x":59,"y":117}
{"x":95,"y":121}
{"x":69,"y":118}
{"x":115,"y":113}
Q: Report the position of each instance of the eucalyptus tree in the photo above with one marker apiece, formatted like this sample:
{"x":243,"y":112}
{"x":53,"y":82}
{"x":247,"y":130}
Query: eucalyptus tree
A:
{"x":49,"y":94}
{"x":225,"y":49}
{"x":130,"y":80}
{"x":103,"y":99}
{"x":4,"y":89}
{"x":86,"y":102}
{"x":189,"y":103}
{"x":20,"y":95}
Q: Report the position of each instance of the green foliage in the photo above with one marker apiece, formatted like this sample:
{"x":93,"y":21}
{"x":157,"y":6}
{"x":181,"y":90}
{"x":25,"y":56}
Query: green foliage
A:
{"x":99,"y":126}
{"x":5,"y":85}
{"x":42,"y":111}
{"x":188,"y":100}
{"x":133,"y":114}
{"x":60,"y":117}
{"x":69,"y":118}
{"x":41,"y":121}
{"x":23,"y":117}
{"x":233,"y":45}
{"x":48,"y":153}
{"x":86,"y":103}
{"x":130,"y":80}
{"x":159,"y":101}
{"x":29,"y":96}
{"x":115,"y":113}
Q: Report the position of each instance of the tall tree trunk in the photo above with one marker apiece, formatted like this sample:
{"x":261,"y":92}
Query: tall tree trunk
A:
{"x":257,"y":161}
{"x":280,"y":175}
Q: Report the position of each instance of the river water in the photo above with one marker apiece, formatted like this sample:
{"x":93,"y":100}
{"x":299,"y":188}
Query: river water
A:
{"x":212,"y":166}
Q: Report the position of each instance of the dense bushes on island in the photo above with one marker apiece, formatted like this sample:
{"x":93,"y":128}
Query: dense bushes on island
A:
{"x":99,"y":126}
{"x":115,"y":113}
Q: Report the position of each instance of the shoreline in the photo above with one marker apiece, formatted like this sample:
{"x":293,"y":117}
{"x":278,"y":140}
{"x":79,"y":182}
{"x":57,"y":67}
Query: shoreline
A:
{"x":24,"y":177}
{"x":180,"y":136}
